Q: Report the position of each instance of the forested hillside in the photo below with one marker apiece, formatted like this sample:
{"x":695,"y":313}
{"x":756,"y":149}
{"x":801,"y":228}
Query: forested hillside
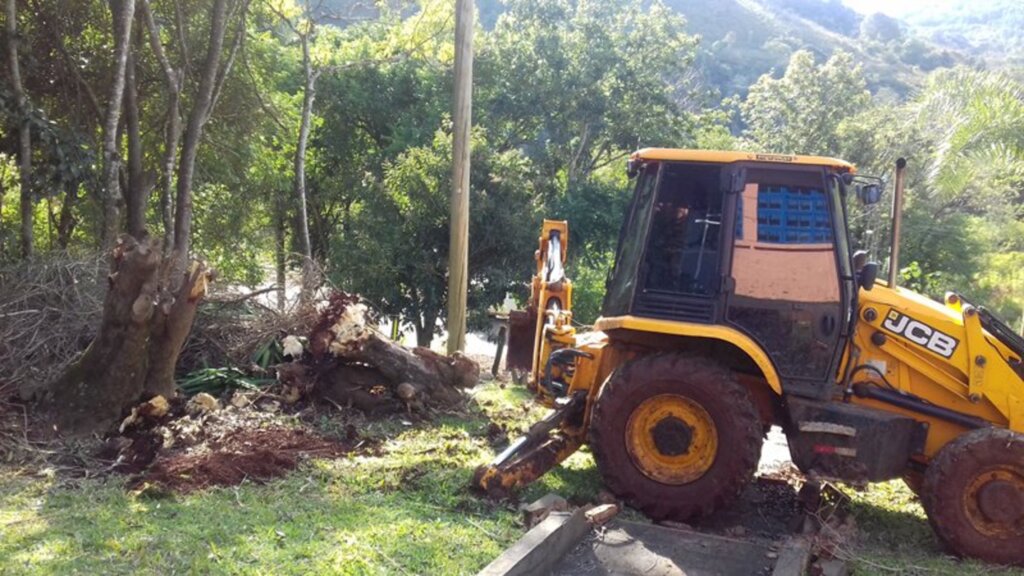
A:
{"x":990,"y":29}
{"x":742,"y":39}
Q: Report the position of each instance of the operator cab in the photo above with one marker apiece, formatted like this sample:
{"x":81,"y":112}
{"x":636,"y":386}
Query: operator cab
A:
{"x":754,"y":242}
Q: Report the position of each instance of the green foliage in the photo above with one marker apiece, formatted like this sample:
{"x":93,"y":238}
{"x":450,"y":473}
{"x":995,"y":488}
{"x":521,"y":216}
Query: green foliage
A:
{"x":881,"y":28}
{"x":217,"y":380}
{"x":564,"y":89}
{"x":395,"y":250}
{"x":232,"y":234}
{"x":588,"y":280}
{"x":604,"y":78}
{"x":990,"y":29}
{"x":801,"y":111}
{"x":833,"y":14}
{"x":962,"y":137}
{"x":741,"y":40}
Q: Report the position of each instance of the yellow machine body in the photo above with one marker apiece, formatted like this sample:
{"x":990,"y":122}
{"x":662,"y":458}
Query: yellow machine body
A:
{"x":974,"y":379}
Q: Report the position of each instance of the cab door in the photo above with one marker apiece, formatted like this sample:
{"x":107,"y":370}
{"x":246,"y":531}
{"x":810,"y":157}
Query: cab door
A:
{"x":786,"y":289}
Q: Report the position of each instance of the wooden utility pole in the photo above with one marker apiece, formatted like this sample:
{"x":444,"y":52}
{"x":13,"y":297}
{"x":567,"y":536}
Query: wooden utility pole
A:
{"x":458,"y":253}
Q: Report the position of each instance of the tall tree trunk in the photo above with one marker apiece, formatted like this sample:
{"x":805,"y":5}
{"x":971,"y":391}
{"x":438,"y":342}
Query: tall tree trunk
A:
{"x":172,"y":128}
{"x":281,"y":252}
{"x":425,"y":331}
{"x":3,"y":191}
{"x":66,"y":223}
{"x":302,"y":219}
{"x":24,"y":133}
{"x":186,"y":286}
{"x":194,"y":133}
{"x":123,"y":12}
{"x":135,"y":199}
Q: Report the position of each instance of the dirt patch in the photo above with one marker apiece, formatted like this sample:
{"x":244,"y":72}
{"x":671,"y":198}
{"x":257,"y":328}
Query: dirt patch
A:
{"x":183,"y":445}
{"x":769,"y":507}
{"x":244,"y":455}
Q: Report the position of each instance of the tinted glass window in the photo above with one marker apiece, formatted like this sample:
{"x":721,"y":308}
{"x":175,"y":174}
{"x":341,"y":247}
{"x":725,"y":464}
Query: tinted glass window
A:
{"x":683,"y":250}
{"x":621,"y":284}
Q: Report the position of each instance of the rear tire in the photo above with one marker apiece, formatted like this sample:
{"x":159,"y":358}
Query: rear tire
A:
{"x":675,"y":437}
{"x":974,"y":495}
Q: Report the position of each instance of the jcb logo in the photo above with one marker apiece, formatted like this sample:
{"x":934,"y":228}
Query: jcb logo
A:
{"x":919,"y":333}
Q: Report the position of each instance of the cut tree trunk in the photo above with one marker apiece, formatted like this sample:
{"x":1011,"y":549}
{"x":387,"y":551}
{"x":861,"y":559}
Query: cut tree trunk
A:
{"x":141,"y":334}
{"x":171,"y":326}
{"x":354,"y":364}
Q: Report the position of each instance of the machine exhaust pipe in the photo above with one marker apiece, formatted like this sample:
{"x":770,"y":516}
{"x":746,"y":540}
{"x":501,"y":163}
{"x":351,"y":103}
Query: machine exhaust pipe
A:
{"x":897,"y":222}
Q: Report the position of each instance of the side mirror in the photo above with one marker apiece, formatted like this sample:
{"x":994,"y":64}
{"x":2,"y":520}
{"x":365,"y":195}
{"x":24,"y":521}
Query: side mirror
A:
{"x":869,"y":194}
{"x":633,"y":166}
{"x":860,"y":258}
{"x":867,"y":275}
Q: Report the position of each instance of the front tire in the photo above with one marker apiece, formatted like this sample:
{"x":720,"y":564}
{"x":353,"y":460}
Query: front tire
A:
{"x":974,"y":495}
{"x":674,"y":436}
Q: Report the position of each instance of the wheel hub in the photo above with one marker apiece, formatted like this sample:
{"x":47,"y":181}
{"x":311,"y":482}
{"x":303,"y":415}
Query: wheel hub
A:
{"x":994,"y":502}
{"x":1000,"y":501}
{"x":671,"y":439}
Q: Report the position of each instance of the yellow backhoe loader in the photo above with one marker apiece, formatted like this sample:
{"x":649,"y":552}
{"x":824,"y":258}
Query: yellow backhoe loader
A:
{"x":735,"y":303}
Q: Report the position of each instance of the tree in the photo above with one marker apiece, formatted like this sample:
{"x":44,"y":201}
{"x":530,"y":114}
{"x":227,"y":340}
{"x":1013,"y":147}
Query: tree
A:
{"x":881,"y":28}
{"x":962,"y":137}
{"x":172,"y":130}
{"x":801,"y":111}
{"x":604,"y":77}
{"x":24,"y":131}
{"x":123,"y":14}
{"x":304,"y":28}
{"x":396,"y":252}
{"x":153,"y":296}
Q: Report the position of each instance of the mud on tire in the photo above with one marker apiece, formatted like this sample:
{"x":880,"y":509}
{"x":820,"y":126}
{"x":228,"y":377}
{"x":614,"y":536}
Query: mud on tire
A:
{"x":712,"y":387}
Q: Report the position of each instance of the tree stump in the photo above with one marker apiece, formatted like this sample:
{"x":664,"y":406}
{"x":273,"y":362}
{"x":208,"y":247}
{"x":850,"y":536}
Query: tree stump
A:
{"x":147,"y":316}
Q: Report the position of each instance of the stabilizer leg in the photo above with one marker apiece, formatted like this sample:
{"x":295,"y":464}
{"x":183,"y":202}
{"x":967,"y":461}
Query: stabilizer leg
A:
{"x":542,"y":448}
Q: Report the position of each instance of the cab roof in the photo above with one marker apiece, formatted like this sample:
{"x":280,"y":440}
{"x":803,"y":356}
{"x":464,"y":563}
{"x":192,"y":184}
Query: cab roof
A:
{"x":726,"y":157}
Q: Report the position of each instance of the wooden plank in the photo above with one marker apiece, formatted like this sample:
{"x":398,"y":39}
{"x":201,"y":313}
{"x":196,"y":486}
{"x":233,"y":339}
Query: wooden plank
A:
{"x":794,"y":557}
{"x":635,"y":549}
{"x":542,"y":548}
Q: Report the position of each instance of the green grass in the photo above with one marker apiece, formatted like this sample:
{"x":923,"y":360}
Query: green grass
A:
{"x":407,"y":511}
{"x":894,"y":536}
{"x":404,"y":511}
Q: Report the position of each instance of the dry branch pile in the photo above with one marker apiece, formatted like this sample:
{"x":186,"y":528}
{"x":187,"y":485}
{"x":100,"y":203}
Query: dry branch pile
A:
{"x":232,"y":327}
{"x":49,"y":310}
